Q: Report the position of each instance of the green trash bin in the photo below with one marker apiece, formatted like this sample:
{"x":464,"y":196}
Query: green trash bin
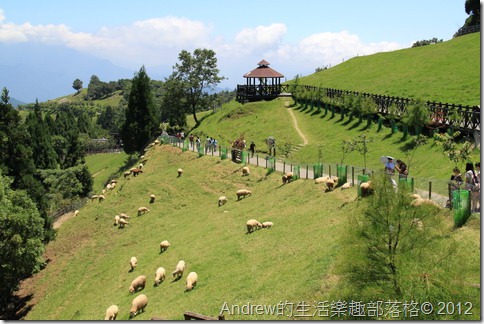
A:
{"x":361,"y":178}
{"x":342,"y":174}
{"x":185,"y":146}
{"x":243,"y":158}
{"x":296,"y":171}
{"x":271,"y":164}
{"x":201,"y":151}
{"x":461,"y":203}
{"x":223,"y":156}
{"x":317,"y":170}
{"x":406,"y":182}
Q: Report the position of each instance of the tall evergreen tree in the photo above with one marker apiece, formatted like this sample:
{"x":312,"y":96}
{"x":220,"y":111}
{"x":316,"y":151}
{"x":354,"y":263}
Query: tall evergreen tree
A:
{"x":173,"y":103}
{"x":41,"y":141}
{"x":141,"y":122}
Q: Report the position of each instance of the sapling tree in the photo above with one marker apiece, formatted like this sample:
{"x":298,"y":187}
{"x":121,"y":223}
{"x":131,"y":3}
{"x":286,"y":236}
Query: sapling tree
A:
{"x":360,"y":144}
{"x":455,"y":152}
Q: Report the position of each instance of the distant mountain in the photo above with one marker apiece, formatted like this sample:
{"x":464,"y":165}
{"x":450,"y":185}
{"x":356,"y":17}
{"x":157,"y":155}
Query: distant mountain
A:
{"x":43,"y":72}
{"x":16,"y":102}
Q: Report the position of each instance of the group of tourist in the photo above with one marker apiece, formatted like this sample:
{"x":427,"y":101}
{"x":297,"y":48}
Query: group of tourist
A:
{"x":471,"y":182}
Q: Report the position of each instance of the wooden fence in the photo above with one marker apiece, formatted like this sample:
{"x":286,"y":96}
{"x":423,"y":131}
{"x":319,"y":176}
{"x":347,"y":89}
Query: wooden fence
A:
{"x":442,"y":115}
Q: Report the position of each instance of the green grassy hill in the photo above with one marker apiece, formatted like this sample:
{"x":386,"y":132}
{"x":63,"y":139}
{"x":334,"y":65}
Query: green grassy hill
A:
{"x":300,"y":259}
{"x":443,"y":72}
{"x":258,"y":120}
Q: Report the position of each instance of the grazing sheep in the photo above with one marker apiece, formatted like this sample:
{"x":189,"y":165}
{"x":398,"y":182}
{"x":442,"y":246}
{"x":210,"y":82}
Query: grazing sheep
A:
{"x":252,"y":225}
{"x":243,"y":193}
{"x":321,"y":179}
{"x":108,"y":186}
{"x":142,"y":210}
{"x":366,"y":189}
{"x":287,"y":177}
{"x":126,"y":174}
{"x":93,"y":197}
{"x":418,"y":224}
{"x":180,"y":172}
{"x":245,"y":171}
{"x":122,"y":222}
{"x":113,"y":185}
{"x":347,"y":185}
{"x":157,"y":142}
{"x":180,"y":267}
{"x":424,"y":201}
{"x":133,"y":262}
{"x":124,"y":216}
{"x":137,"y":283}
{"x":140,"y":166}
{"x":101,"y":198}
{"x":136,"y":172}
{"x":222,"y":200}
{"x":415,"y":196}
{"x":267,"y":224}
{"x":103,"y":191}
{"x":330,"y":184}
{"x":138,"y":305}
{"x":152,"y":198}
{"x":114,"y":181}
{"x":76,"y":212}
{"x":192,"y":279}
{"x":142,"y":157}
{"x":111,"y":313}
{"x":116,"y":220}
{"x":160,"y":275}
{"x":164,"y":245}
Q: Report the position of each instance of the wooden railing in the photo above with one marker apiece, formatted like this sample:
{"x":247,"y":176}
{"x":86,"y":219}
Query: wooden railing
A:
{"x":463,"y":118}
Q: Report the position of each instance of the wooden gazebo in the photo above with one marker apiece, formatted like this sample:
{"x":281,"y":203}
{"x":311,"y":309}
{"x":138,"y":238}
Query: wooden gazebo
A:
{"x":262,"y":83}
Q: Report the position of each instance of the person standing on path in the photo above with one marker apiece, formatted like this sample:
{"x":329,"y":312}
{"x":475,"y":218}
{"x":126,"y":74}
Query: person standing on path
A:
{"x":252,"y":148}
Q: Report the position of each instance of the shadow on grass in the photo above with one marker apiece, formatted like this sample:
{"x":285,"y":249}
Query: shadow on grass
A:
{"x":17,"y":307}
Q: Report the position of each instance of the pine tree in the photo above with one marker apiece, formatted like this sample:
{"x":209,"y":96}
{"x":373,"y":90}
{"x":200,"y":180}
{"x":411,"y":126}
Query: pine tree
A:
{"x":141,"y":123}
{"x":43,"y":151}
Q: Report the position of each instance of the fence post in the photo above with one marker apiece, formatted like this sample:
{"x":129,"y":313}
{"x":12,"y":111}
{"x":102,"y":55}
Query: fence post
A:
{"x":329,"y":168}
{"x":353,"y":175}
{"x":257,"y":159}
{"x":307,"y":167}
{"x":430,"y":189}
{"x":284,"y":166}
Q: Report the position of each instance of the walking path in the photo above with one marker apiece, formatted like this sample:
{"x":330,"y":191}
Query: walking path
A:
{"x":296,"y":127}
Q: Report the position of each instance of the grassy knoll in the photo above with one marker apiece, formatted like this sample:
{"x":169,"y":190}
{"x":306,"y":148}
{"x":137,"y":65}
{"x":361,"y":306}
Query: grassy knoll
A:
{"x":446,"y":72}
{"x":326,"y":134}
{"x":299,"y":260}
{"x":104,"y":167}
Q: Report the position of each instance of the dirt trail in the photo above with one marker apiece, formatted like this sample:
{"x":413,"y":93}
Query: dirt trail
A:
{"x":296,"y":127}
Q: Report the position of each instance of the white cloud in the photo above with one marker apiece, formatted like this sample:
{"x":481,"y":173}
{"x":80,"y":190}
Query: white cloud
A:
{"x":158,"y":41}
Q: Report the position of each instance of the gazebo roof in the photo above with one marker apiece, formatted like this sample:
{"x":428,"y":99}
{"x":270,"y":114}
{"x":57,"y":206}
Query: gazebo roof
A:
{"x":263,"y":71}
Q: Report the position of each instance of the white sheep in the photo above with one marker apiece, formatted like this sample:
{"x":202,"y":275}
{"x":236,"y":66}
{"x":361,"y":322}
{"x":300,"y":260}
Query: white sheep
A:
{"x":347,"y":185}
{"x":287,"y":177}
{"x":222,"y":200}
{"x":245,"y":171}
{"x":142,"y":210}
{"x":137,"y":283}
{"x":103,"y":191}
{"x":252,"y":225}
{"x":138,"y":305}
{"x":111,"y":313}
{"x":140,"y":166}
{"x":109,"y":186}
{"x":180,"y":172}
{"x":114,"y":181}
{"x":122,"y":222}
{"x":424,"y":201}
{"x":160,"y":275}
{"x":366,"y":188}
{"x":76,"y":212}
{"x":418,"y":224}
{"x":94,"y":197}
{"x":321,"y":179}
{"x":164,"y":245}
{"x":192,"y":279}
{"x":152,"y":198}
{"x":330,"y":184}
{"x":243,"y":193}
{"x":180,"y":267}
{"x":133,"y":262}
{"x":157,"y":142}
{"x":124,"y":216}
{"x":101,"y":198}
{"x":267,"y":224}
{"x":142,"y":157}
{"x":126,"y":174}
{"x":116,"y":220}
{"x":113,"y":185}
{"x":415,"y":196}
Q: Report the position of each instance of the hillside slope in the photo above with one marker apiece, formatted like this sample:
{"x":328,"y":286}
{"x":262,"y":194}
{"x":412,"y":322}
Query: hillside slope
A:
{"x":294,"y":261}
{"x":443,"y":72}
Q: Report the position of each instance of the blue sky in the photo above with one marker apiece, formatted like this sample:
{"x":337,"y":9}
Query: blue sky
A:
{"x":294,"y":36}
